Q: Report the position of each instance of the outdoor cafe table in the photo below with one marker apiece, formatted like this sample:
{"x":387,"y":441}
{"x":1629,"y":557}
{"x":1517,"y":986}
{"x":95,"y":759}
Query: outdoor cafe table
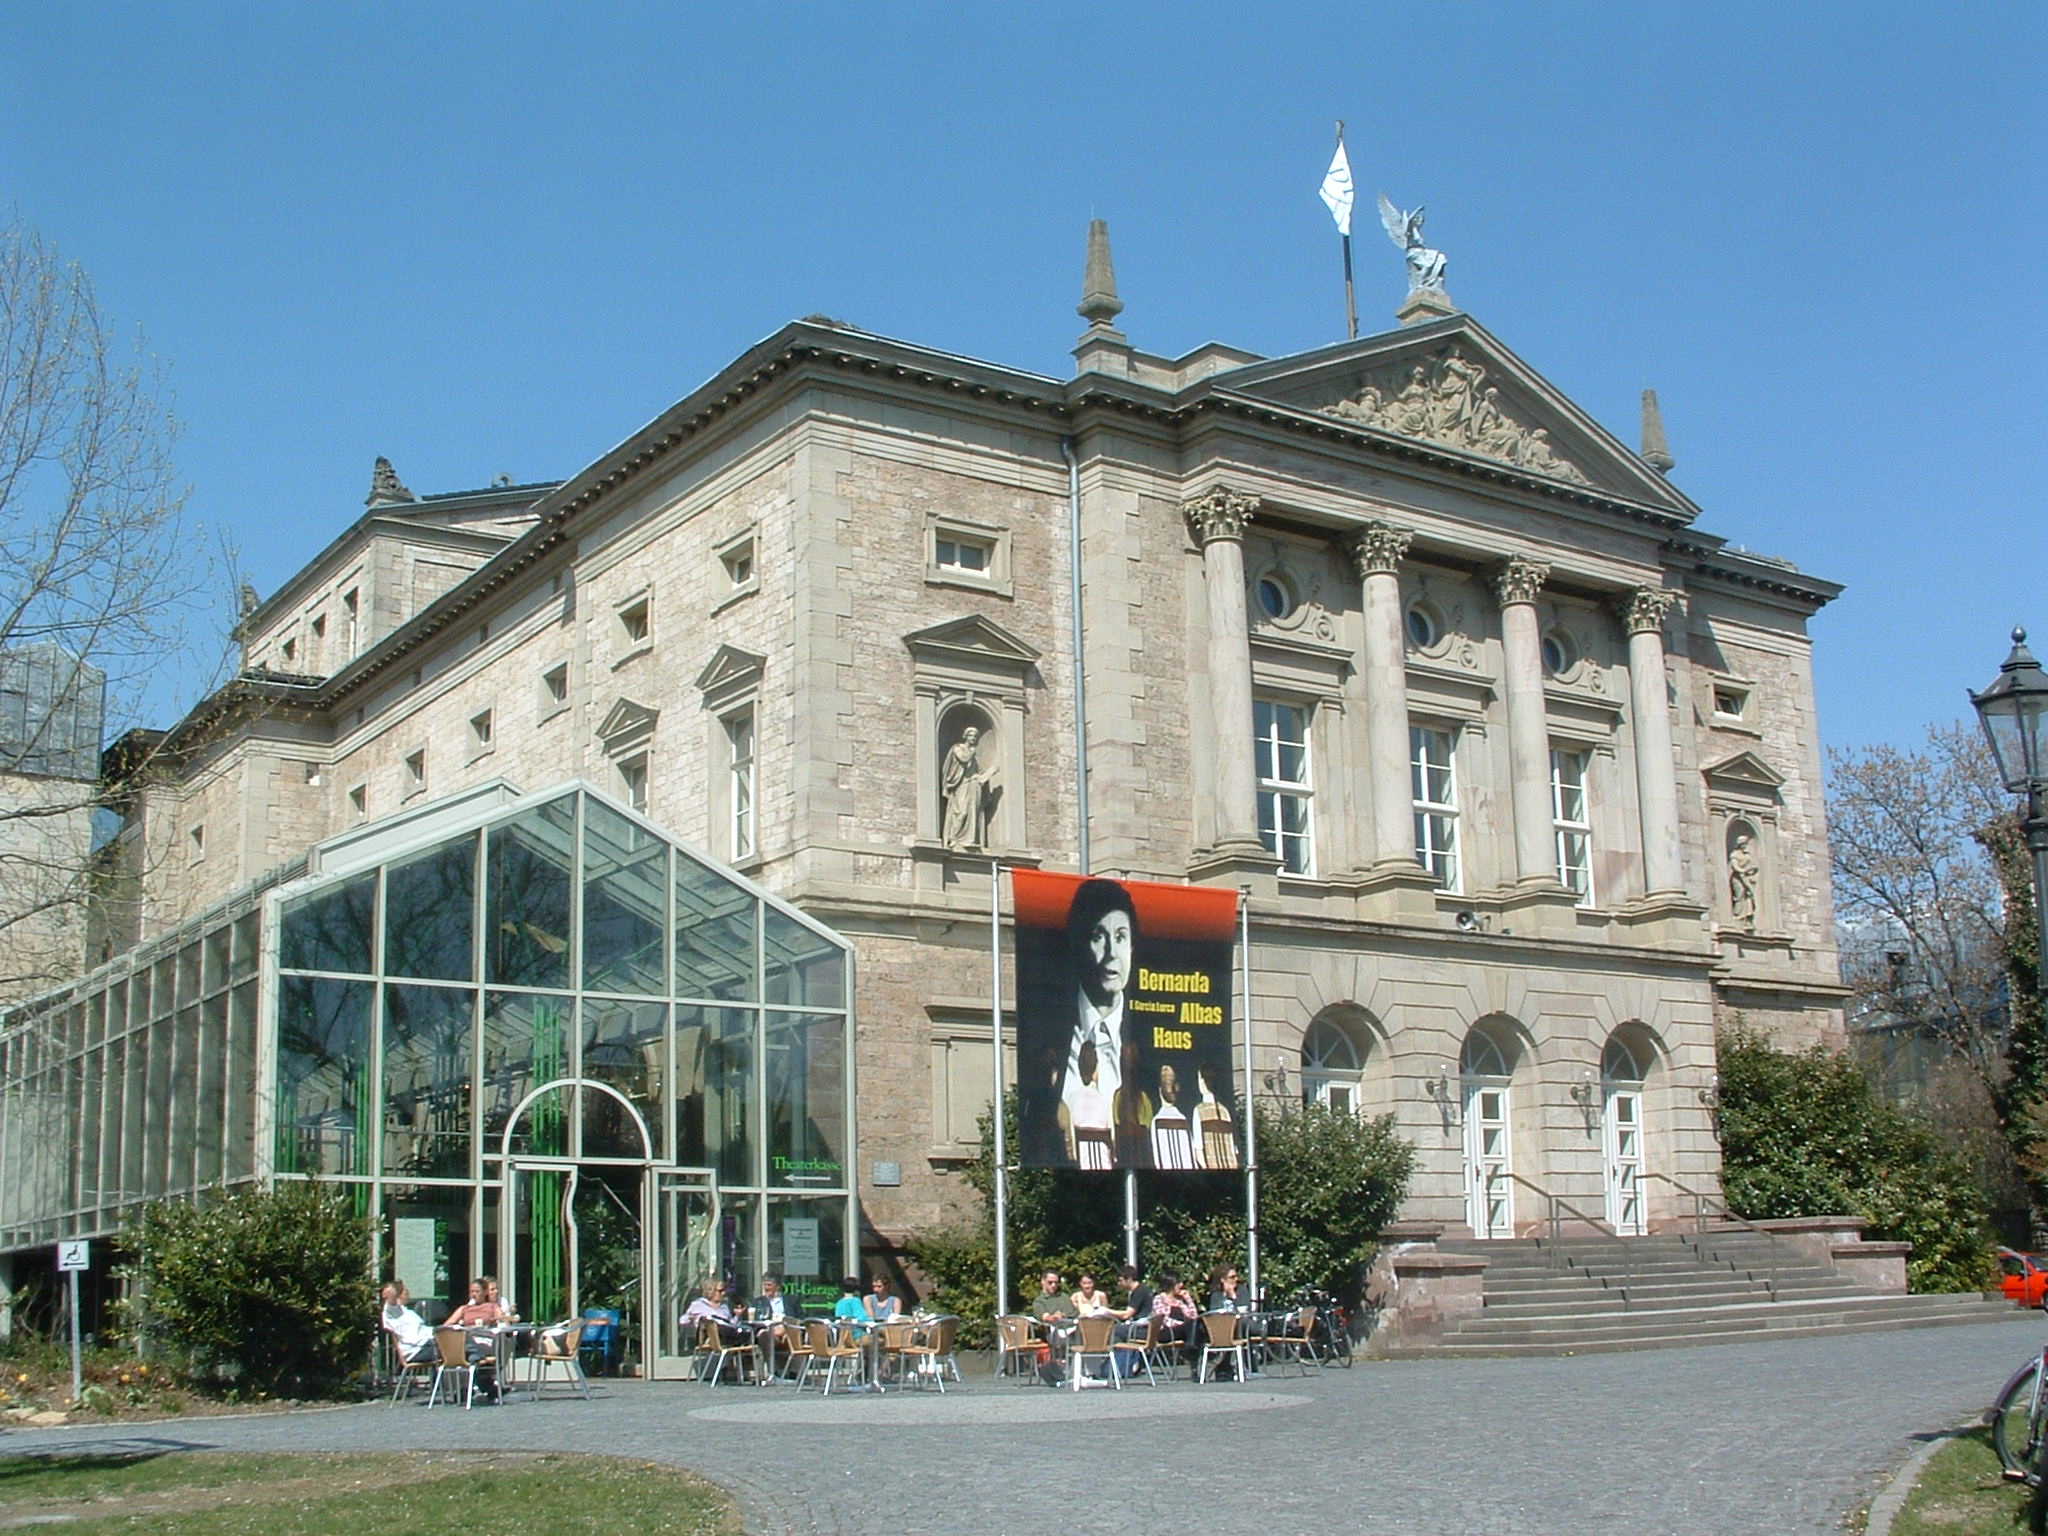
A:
{"x":504,"y":1340}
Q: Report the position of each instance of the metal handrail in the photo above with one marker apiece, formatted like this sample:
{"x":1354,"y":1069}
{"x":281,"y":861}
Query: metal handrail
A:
{"x":1554,"y":1208}
{"x":1727,"y":1218}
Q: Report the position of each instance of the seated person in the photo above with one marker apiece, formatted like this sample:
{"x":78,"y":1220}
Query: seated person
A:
{"x":713,"y":1305}
{"x":771,"y":1306}
{"x":881,"y":1302}
{"x":1227,"y":1292}
{"x":1051,"y":1307}
{"x":1175,"y":1309}
{"x":479,"y":1315}
{"x":850,"y":1310}
{"x":506,"y":1313}
{"x":1090,"y":1302}
{"x":408,"y":1330}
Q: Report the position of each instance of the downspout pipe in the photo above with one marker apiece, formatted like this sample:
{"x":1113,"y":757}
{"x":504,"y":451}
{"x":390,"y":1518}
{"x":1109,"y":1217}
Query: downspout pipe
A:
{"x":1080,"y":650}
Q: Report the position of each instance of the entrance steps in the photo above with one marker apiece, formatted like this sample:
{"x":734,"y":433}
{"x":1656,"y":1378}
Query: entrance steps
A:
{"x":1586,"y":1294}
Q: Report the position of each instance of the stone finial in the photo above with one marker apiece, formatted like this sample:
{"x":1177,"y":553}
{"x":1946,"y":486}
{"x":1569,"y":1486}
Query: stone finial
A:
{"x":1099,"y":304}
{"x":385,"y":487}
{"x":1656,"y":451}
{"x":1644,"y":609}
{"x":1519,"y":580}
{"x":1377,"y":548}
{"x":1219,"y":514}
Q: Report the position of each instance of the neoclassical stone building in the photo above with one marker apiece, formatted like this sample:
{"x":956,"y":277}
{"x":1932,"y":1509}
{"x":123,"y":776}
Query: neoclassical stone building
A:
{"x":1518,"y":763}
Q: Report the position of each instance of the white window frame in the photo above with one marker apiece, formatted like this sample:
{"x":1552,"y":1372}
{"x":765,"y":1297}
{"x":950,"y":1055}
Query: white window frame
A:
{"x":739,"y":562}
{"x":552,"y":703}
{"x":1332,"y":1067}
{"x":991,"y":539}
{"x":742,"y":745}
{"x":629,"y":614}
{"x":1572,"y":823}
{"x":633,"y":776}
{"x":1436,"y":818}
{"x":483,"y":733}
{"x":414,"y":769}
{"x":1280,"y":792}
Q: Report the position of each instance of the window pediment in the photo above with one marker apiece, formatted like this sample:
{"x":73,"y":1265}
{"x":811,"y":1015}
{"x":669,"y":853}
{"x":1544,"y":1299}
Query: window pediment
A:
{"x":626,"y":725}
{"x":971,"y":639}
{"x":1745,"y":771}
{"x":729,"y":674}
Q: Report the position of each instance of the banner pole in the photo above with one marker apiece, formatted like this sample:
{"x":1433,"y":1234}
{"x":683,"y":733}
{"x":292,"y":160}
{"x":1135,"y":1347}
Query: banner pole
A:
{"x":1251,"y":1135}
{"x":1350,"y":296}
{"x":995,"y":1033}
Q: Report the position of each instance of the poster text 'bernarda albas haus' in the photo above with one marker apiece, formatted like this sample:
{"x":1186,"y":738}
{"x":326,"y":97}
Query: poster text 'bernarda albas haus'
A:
{"x":1124,"y":1024}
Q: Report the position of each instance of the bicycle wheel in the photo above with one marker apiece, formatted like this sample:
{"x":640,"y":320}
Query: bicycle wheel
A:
{"x":1340,"y":1345}
{"x":2016,"y":1420}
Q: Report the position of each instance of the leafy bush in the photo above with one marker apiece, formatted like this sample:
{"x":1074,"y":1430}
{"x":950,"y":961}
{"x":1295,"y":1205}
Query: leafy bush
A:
{"x":1802,"y":1134}
{"x":267,"y":1291}
{"x":1328,"y":1182}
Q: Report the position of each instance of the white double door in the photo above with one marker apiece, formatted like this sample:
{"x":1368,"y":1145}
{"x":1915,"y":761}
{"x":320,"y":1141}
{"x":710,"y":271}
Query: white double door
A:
{"x":1489,"y":1192}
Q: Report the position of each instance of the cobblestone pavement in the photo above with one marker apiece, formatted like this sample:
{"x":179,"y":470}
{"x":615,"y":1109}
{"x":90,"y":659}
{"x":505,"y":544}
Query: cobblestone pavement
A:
{"x":1780,"y":1437}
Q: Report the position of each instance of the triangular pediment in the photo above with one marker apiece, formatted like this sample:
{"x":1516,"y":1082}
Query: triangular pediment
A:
{"x":973,"y":637}
{"x":1451,"y":385}
{"x":1745,"y":768}
{"x":729,"y":665}
{"x":627,"y":720}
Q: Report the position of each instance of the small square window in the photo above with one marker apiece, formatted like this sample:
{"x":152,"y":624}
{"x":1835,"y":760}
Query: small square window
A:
{"x":480,"y":729}
{"x":957,"y":552}
{"x":739,"y":563}
{"x":198,"y":836}
{"x":313,"y":775}
{"x":636,"y":624}
{"x":291,"y":650}
{"x":967,"y":554}
{"x":319,"y":626}
{"x":554,"y":689}
{"x":416,"y":771}
{"x":1730,"y":702}
{"x":359,"y":800}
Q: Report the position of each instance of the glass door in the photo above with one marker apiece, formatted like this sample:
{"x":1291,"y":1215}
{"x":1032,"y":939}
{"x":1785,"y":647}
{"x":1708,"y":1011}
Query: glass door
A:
{"x":1624,"y":1137}
{"x":1489,"y":1194}
{"x":537,"y":1238}
{"x":682,"y":1248}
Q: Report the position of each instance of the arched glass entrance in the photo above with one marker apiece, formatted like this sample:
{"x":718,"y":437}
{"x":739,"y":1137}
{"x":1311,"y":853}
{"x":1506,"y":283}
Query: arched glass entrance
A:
{"x":1489,"y":1136}
{"x":1621,"y":1094}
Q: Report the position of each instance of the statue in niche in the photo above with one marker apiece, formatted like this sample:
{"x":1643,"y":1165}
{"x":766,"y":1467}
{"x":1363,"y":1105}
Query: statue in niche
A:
{"x":969,"y":791}
{"x":1743,"y":873}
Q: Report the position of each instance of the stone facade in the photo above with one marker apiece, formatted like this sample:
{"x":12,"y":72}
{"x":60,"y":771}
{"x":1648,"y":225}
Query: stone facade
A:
{"x":768,"y":615}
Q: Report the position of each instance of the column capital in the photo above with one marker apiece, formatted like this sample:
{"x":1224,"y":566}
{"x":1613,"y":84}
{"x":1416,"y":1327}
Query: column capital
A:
{"x":1376,"y":549}
{"x":1518,"y":580}
{"x":1219,"y":513}
{"x":1643,"y":611}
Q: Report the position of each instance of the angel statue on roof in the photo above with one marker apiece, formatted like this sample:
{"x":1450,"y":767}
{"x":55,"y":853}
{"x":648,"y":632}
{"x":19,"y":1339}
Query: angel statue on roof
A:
{"x":1425,"y":265}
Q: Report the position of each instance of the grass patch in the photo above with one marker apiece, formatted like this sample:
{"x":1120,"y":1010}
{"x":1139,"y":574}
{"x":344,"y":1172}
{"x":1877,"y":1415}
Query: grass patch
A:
{"x":1961,"y":1493}
{"x":398,"y":1494}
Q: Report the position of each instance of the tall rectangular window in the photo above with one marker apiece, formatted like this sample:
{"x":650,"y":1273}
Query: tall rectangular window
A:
{"x":1434,"y":786}
{"x":1285,"y":822}
{"x":739,"y":737}
{"x":1571,"y":822}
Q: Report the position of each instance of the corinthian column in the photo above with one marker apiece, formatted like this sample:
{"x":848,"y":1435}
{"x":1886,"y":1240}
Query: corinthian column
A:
{"x":1518,"y":582}
{"x":1217,"y":520}
{"x":1642,"y":612}
{"x":1376,"y":551}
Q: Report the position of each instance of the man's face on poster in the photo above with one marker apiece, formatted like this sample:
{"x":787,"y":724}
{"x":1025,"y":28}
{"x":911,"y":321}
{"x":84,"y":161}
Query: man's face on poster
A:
{"x":1106,"y":964}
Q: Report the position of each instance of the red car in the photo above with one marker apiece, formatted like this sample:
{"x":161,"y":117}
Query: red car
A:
{"x":2023,"y":1276}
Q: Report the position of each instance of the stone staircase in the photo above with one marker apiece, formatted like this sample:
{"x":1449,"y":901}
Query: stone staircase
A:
{"x":1582,"y":1295}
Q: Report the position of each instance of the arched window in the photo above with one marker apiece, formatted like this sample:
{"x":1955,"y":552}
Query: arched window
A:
{"x":1332,"y":1062}
{"x":1619,"y":1063}
{"x":1482,"y":1056}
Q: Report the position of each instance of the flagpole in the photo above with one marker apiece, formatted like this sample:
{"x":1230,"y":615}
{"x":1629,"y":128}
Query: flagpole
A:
{"x":995,"y":1032}
{"x":1350,"y":297}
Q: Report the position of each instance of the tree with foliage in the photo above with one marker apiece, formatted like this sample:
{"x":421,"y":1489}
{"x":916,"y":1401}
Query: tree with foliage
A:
{"x":98,"y":581}
{"x":267,"y":1292}
{"x":1933,"y":887}
{"x":1803,"y":1134}
{"x":1329,"y":1181}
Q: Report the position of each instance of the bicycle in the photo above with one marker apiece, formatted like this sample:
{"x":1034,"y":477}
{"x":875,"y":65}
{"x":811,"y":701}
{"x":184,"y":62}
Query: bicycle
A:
{"x":1331,"y":1332}
{"x":2017,"y":1415}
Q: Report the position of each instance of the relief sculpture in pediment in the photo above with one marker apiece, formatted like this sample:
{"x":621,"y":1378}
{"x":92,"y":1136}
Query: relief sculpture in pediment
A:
{"x":1447,"y":400}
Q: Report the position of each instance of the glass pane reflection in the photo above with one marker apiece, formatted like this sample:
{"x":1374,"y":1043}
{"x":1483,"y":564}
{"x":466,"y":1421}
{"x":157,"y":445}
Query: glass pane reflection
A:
{"x":429,"y":913}
{"x":806,"y":1066}
{"x":427,"y":1036}
{"x":323,"y":1076}
{"x":802,"y":966}
{"x":330,"y":931}
{"x":623,"y":1046}
{"x":714,"y":934}
{"x":714,"y":1070}
{"x":528,"y":891}
{"x":625,"y":903}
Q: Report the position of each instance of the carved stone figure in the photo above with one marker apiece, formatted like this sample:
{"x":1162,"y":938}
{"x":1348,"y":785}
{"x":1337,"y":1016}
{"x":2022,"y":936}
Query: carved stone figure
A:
{"x":1443,"y":402}
{"x":1425,"y":266}
{"x":969,"y":792}
{"x":1743,"y":873}
{"x":385,"y":486}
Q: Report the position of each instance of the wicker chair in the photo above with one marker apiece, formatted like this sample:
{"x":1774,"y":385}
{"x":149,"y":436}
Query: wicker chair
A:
{"x":1017,"y":1345}
{"x":825,"y":1346}
{"x":560,"y":1345}
{"x":1296,"y":1341}
{"x":409,"y":1371}
{"x":1094,"y":1339}
{"x":453,"y":1344}
{"x":1147,"y":1346}
{"x":926,"y":1358}
{"x":1224,"y":1339}
{"x":712,"y":1344}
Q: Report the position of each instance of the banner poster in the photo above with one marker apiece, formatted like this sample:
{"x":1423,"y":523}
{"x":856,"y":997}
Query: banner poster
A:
{"x":1124,"y":1024}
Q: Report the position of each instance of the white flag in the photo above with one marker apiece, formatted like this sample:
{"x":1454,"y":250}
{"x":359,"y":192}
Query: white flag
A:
{"x":1336,"y":193}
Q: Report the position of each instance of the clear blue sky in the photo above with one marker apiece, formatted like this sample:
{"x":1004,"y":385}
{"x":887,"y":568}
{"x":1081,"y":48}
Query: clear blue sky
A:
{"x":486,"y":239}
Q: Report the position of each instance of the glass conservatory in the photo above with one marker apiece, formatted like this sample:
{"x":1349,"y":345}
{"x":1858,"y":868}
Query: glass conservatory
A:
{"x":532,"y":1035}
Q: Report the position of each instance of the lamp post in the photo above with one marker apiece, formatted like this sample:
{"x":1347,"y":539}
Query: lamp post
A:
{"x":2014,"y":711}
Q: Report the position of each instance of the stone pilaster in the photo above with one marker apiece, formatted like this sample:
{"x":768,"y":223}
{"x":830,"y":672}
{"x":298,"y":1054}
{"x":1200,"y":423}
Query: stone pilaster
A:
{"x":1642,"y":613}
{"x":1217,"y":519}
{"x":1518,"y":582}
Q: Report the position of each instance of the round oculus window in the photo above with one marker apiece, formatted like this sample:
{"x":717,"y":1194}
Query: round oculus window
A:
{"x":1558,"y":653}
{"x":1423,"y":630}
{"x":1275,"y":600}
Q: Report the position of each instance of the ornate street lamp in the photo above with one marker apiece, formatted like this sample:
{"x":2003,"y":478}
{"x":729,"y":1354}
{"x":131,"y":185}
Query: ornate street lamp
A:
{"x":2014,"y":710}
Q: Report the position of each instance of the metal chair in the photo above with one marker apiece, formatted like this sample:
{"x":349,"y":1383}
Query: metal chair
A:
{"x":602,"y":1337}
{"x":453,"y":1343}
{"x":832,"y":1350}
{"x":1145,"y":1346}
{"x":926,"y":1359}
{"x":711,"y":1341}
{"x":1296,"y":1341}
{"x":408,"y":1371}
